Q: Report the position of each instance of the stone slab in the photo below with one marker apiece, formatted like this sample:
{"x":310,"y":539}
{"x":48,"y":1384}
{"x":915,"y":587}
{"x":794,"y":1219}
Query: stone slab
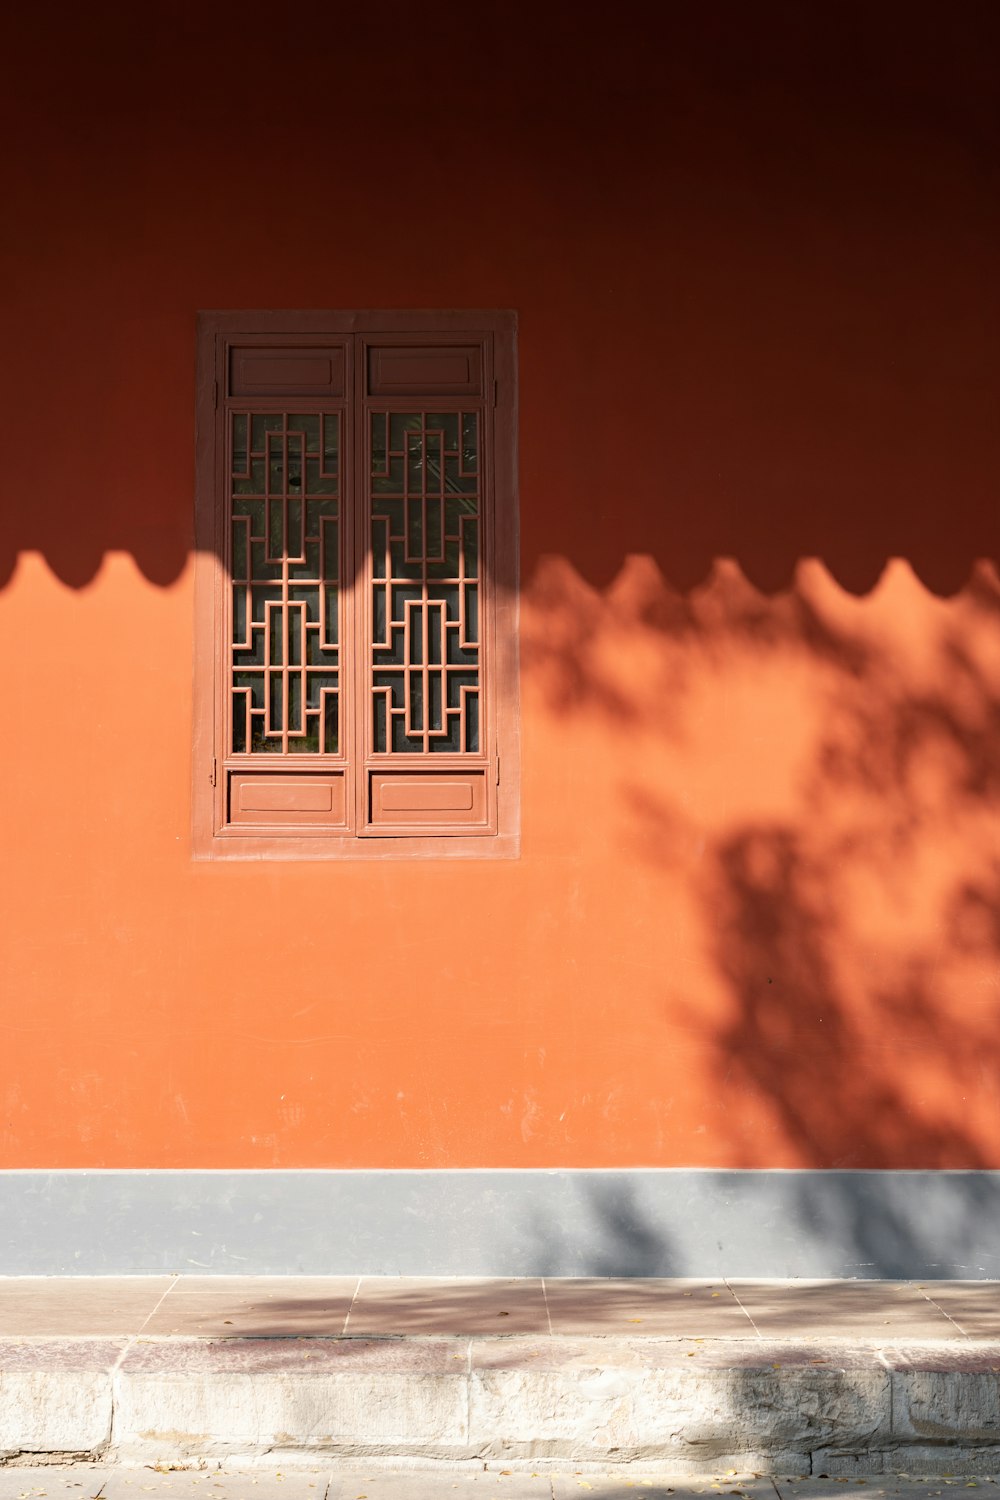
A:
{"x":78,"y":1306}
{"x":203,"y":1398}
{"x":419,"y":1484}
{"x":49,"y":1482}
{"x":55,"y":1395}
{"x":178,"y":1484}
{"x":593,"y":1486}
{"x":264,"y":1306}
{"x":694,"y":1405}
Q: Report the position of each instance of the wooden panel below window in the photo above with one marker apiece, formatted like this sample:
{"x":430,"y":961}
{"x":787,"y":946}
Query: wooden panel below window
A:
{"x":441,"y":799}
{"x":287,"y":799}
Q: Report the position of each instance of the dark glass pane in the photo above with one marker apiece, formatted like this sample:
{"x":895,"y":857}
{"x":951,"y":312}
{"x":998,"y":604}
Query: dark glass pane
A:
{"x":316,"y":682}
{"x":275,"y":528}
{"x":294,"y":637}
{"x":434,"y":509}
{"x":262,"y":423}
{"x":275,"y":642}
{"x":316,"y":654}
{"x":459,"y":656}
{"x":416,"y":702}
{"x":331,"y":723}
{"x":400,"y":567}
{"x":239,"y":724}
{"x":262,"y":569}
{"x":401,"y":743}
{"x":470,"y":442}
{"x":240,"y":550}
{"x":450,"y":743}
{"x":434,"y":706}
{"x":380,"y":546}
{"x":254,"y":657}
{"x":294,"y":542}
{"x":331,"y":439}
{"x":391,"y":483}
{"x":391,"y":655}
{"x":472,"y":723}
{"x":294,"y":464}
{"x":277,"y":700}
{"x":316,"y":483}
{"x":239,"y":443}
{"x":400,"y":423}
{"x":255,"y":484}
{"x":414,"y":463}
{"x":378,"y":723}
{"x":416,"y":637}
{"x":378,"y":614}
{"x":330,"y":621}
{"x":415,"y":529}
{"x":302,"y":594}
{"x":294,"y":703}
{"x":379,"y":421}
{"x":276,"y":467}
{"x":470,"y":547}
{"x":311,"y":567}
{"x":308,"y":424}
{"x":239,"y":613}
{"x":254,"y":681}
{"x":261,"y":743}
{"x":433,"y":635}
{"x":260,"y":597}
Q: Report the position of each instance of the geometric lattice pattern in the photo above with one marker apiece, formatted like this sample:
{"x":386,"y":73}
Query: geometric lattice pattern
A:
{"x":284,"y":502}
{"x":425,"y":572}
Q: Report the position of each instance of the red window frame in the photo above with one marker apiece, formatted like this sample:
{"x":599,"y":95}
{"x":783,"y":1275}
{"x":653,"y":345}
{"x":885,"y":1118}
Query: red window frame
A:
{"x":359,"y":801}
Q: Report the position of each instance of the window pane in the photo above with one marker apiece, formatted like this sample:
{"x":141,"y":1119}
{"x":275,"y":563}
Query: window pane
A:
{"x":286,"y":555}
{"x":424,"y":539}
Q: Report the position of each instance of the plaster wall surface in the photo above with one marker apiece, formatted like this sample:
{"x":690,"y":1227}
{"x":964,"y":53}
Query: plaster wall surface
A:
{"x":754,"y":922}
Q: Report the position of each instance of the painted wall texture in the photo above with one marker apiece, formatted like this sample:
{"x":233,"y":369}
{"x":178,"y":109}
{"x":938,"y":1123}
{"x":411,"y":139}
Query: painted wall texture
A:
{"x":756,"y":919}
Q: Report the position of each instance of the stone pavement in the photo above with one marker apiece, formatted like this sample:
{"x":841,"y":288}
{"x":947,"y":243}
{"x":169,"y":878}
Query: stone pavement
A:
{"x":566,"y":1380}
{"x":94,"y":1482}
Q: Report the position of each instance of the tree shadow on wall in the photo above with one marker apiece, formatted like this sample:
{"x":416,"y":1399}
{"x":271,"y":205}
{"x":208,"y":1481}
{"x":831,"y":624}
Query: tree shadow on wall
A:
{"x":814,"y":782}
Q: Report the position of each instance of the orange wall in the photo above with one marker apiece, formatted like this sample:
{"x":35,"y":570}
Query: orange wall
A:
{"x":755,"y":922}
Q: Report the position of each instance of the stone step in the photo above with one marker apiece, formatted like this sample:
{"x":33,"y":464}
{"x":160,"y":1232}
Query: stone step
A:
{"x":525,"y":1402}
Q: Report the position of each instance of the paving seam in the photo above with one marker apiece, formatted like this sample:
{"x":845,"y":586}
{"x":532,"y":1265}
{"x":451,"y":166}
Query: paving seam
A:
{"x":545,"y":1299}
{"x":109,"y":1446}
{"x":354,"y":1299}
{"x":744,"y":1310}
{"x":924,"y":1293}
{"x":152,"y":1314}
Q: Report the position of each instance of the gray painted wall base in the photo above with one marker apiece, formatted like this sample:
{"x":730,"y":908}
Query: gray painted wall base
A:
{"x":641,"y":1222}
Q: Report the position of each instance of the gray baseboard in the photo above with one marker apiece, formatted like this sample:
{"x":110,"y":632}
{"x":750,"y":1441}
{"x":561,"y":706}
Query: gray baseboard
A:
{"x":637,"y":1222}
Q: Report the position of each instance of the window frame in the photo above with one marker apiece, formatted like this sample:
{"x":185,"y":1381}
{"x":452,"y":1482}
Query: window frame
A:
{"x":213,"y":835}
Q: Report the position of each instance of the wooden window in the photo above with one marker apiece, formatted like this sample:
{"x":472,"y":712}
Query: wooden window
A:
{"x":356,"y":659}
